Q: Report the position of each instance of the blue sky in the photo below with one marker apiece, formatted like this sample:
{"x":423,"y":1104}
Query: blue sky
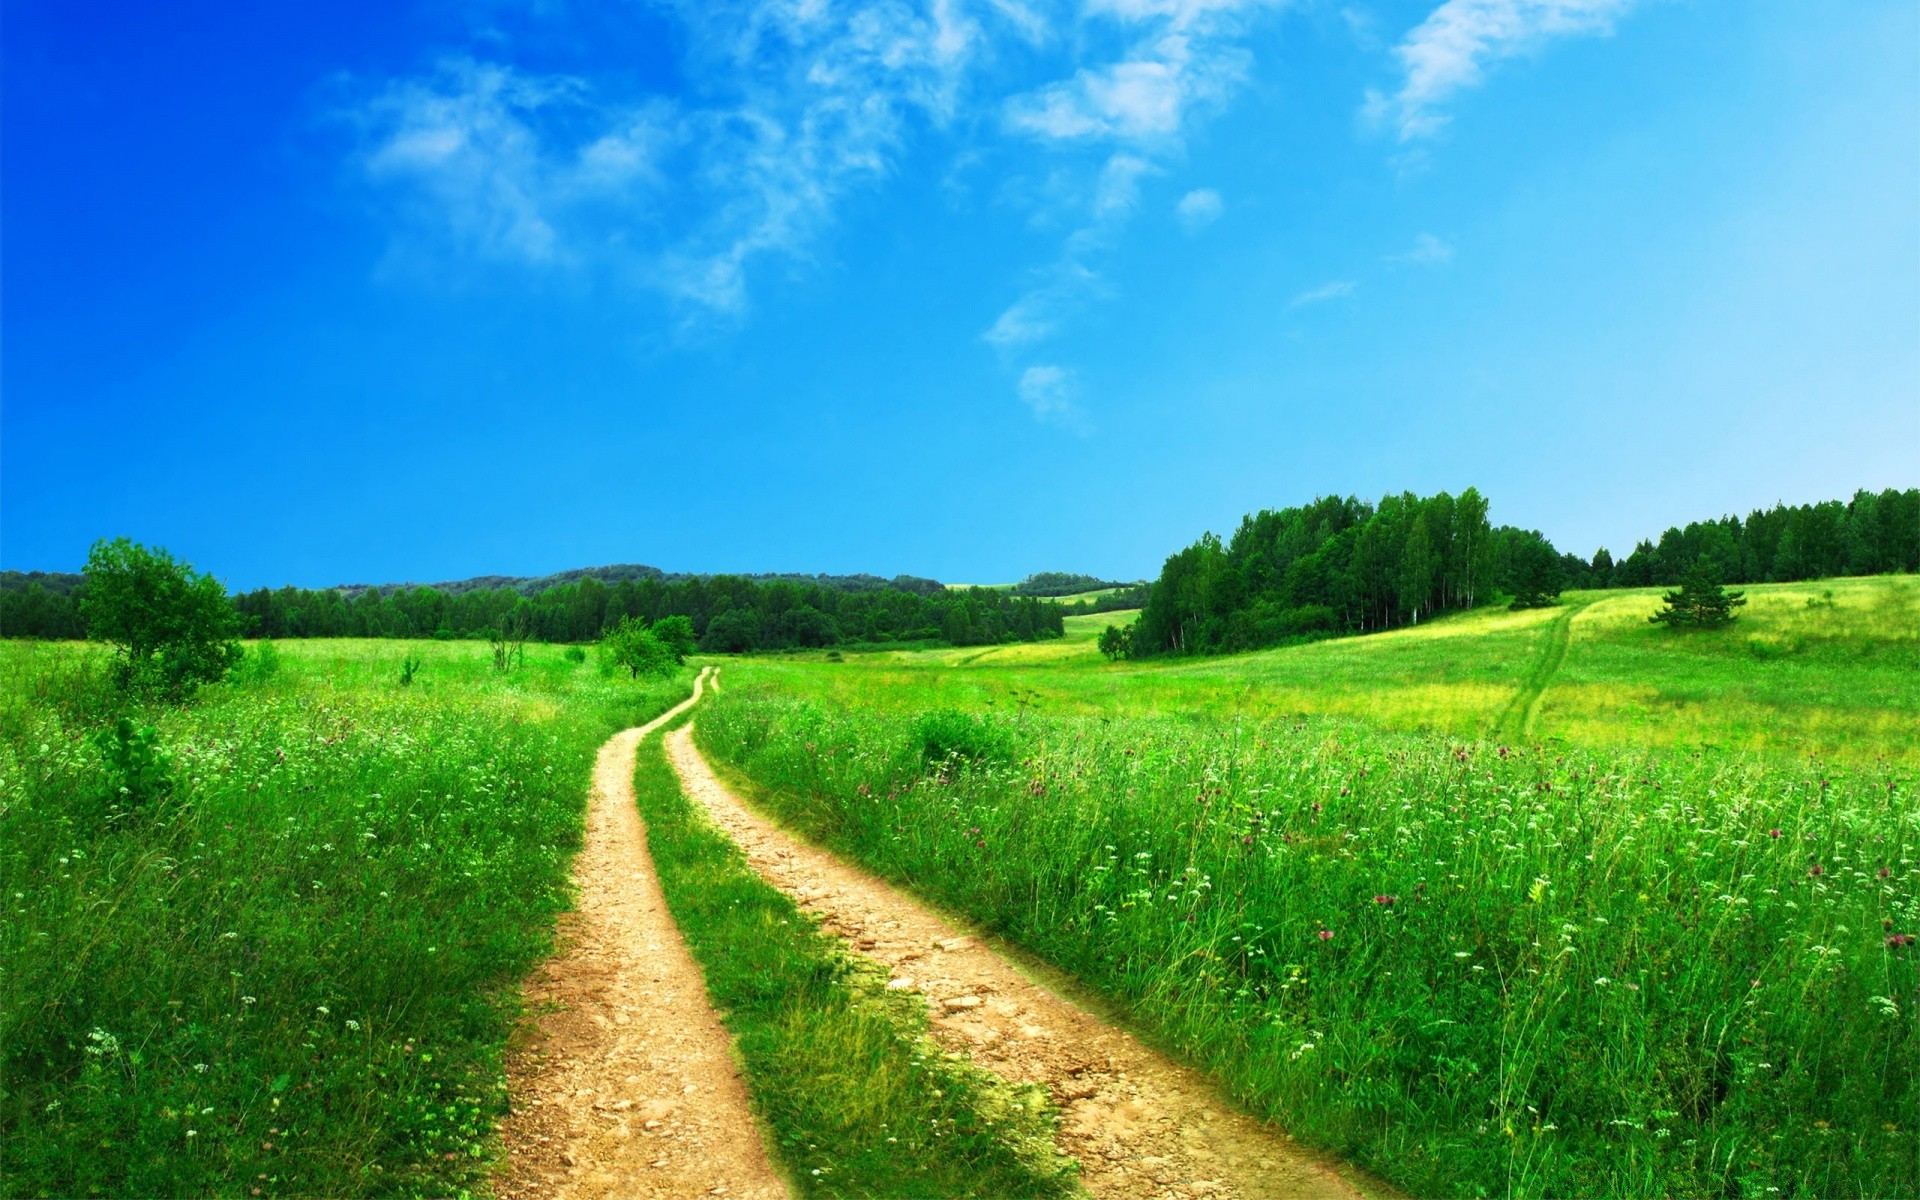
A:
{"x":962,"y":288}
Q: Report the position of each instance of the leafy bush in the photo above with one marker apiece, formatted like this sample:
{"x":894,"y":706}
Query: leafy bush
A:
{"x":171,"y":627}
{"x":139,"y":772}
{"x":575,"y":655}
{"x":947,"y":735}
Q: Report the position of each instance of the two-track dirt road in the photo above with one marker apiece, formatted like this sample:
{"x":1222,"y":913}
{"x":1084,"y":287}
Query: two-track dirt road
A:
{"x":628,"y":1087}
{"x":1140,"y":1125}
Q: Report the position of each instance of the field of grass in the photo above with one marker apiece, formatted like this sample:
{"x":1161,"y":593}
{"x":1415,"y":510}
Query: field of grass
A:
{"x":295,"y":972}
{"x":1542,"y":903}
{"x":1826,"y":668}
{"x":858,"y":1099}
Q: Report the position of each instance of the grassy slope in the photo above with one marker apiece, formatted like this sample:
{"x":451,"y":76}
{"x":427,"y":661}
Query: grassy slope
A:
{"x":1837,"y":680}
{"x":859,"y":1101}
{"x":298,"y":973}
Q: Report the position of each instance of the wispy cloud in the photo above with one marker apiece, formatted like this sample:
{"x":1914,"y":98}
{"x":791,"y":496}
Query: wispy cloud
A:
{"x":1339,"y":289}
{"x":794,"y":106}
{"x":1198,"y":209}
{"x":1427,"y":251}
{"x":1450,"y":50}
{"x":1051,"y":391}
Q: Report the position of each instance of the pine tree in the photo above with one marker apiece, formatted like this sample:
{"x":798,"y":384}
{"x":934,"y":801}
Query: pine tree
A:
{"x":1701,"y":603}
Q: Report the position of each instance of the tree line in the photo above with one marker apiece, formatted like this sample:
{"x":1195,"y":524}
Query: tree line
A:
{"x":728,"y":613}
{"x":1341,"y":565}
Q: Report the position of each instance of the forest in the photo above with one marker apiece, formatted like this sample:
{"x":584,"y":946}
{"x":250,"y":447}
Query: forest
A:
{"x":1341,"y":565}
{"x":730,"y":614}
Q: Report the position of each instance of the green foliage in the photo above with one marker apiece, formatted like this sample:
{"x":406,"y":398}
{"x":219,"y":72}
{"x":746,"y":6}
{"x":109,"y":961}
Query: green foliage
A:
{"x":1061,"y":583}
{"x":857,"y":1099}
{"x":1478,"y":970}
{"x":632,"y":645}
{"x":172,"y":628}
{"x":298,"y":973}
{"x":1701,"y":603}
{"x":951,"y":738}
{"x":1336,"y":565}
{"x":1116,"y":642}
{"x":575,"y":654}
{"x":136,"y":770}
{"x":677,"y":632}
{"x":409,"y":668}
{"x":1530,"y":568}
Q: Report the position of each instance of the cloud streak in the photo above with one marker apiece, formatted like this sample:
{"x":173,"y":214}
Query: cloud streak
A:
{"x":1451,"y":49}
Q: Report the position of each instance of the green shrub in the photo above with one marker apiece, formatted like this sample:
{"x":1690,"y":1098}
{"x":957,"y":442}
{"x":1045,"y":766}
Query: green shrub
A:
{"x":949,"y":736}
{"x":139,"y":772}
{"x":575,"y":655}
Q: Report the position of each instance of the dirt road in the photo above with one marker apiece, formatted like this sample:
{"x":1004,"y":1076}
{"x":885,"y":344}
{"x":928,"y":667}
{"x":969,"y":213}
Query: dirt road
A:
{"x":629,"y":1086}
{"x":1140,"y":1125}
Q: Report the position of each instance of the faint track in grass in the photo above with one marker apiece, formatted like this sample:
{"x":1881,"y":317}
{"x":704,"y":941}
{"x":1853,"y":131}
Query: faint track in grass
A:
{"x":1515,"y":721}
{"x":1139,"y":1124}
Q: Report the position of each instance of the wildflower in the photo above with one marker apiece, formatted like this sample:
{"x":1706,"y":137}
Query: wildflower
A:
{"x":1899,"y":939}
{"x":1773,"y":833}
{"x":1816,"y":870}
{"x":1385,"y":901}
{"x":1326,"y":935}
{"x":1886,"y":872}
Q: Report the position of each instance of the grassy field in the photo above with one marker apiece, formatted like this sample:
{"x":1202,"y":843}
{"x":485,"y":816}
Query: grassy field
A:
{"x":294,"y":973}
{"x":1545,"y":903}
{"x":1826,"y":668}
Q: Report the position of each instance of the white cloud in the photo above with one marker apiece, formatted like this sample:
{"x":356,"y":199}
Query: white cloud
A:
{"x":1428,"y":251}
{"x":789,"y":108}
{"x":1199,"y":209}
{"x":1449,"y":50}
{"x":1050,"y":391}
{"x":1339,"y":289}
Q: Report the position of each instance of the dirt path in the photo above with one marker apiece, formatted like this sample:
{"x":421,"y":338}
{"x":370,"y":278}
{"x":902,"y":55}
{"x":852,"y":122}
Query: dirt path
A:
{"x":1140,"y":1125}
{"x":628,"y":1087}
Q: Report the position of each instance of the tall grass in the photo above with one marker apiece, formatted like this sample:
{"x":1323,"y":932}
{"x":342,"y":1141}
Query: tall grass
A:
{"x":294,"y":972}
{"x":1477,"y":970}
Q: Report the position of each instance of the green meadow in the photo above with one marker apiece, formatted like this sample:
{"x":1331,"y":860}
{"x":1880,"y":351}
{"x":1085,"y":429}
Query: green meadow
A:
{"x":1825,"y":668}
{"x":1538,"y":903}
{"x":294,"y":967}
{"x":1543,"y":903}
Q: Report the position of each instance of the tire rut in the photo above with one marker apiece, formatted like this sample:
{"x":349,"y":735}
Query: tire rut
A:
{"x":1139,"y":1124}
{"x":1516,"y":719}
{"x":628,"y":1086}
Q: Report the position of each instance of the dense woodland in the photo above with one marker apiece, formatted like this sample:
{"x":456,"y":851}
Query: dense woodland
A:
{"x":729,"y":613}
{"x":1340,"y":565}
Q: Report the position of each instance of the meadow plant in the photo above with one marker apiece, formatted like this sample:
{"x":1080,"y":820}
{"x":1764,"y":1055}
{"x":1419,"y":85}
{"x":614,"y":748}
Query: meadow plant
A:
{"x":296,"y":971}
{"x":1476,"y":968}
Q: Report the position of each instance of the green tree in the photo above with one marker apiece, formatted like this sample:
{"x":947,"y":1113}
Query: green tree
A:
{"x":1116,"y":642}
{"x":1701,"y":603}
{"x":171,"y":627}
{"x":677,"y":633}
{"x":632,"y":645}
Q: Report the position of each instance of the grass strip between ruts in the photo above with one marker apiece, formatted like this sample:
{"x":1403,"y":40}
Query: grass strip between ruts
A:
{"x":856,"y":1098}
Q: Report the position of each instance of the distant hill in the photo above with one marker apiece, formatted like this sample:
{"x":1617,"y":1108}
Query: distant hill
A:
{"x":1064,"y":583}
{"x":60,"y":583}
{"x":529,"y":585}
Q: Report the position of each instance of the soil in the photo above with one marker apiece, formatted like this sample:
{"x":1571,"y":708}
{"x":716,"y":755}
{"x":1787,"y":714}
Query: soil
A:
{"x":627,"y":1085}
{"x":1139,"y":1124}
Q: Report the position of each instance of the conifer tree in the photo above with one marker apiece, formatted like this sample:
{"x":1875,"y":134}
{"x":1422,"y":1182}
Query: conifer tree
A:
{"x":1701,"y":603}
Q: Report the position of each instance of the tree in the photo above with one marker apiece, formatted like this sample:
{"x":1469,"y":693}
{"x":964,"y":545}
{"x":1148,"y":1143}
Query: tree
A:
{"x":733,"y":631}
{"x":677,"y":633}
{"x":1116,"y":642}
{"x":1535,"y":573}
{"x":171,"y":627}
{"x":1701,"y":603}
{"x":632,"y":645}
